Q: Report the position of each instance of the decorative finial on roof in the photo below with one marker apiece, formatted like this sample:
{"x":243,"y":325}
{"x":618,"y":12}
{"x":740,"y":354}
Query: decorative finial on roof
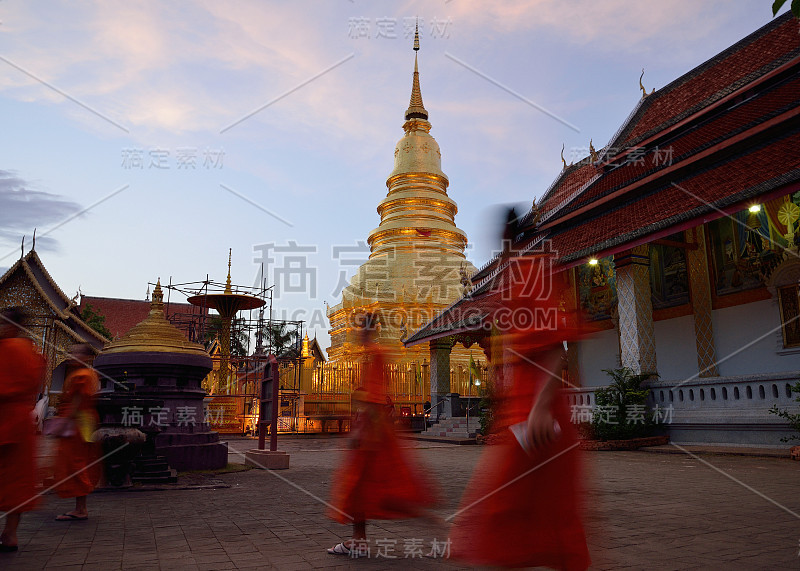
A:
{"x":33,"y":247}
{"x":641,"y":86}
{"x":158,"y":298}
{"x":228,"y":280}
{"x":416,"y":110}
{"x":22,"y":248}
{"x":147,"y":295}
{"x":562,"y":157}
{"x":592,"y":152}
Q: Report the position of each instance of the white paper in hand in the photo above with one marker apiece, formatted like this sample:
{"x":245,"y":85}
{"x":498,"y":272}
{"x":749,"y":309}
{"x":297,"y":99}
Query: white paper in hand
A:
{"x":520,"y":432}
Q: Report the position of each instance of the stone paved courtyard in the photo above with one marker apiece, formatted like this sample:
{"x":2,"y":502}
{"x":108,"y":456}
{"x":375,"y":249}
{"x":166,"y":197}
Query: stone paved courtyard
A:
{"x":647,"y":511}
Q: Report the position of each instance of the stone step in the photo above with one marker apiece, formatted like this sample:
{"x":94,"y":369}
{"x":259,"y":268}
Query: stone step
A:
{"x":153,"y":469}
{"x":165,"y":477}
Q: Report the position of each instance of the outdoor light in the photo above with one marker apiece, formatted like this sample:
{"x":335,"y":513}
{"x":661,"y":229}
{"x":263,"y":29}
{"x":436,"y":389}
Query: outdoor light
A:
{"x":477,"y":382}
{"x":755,"y":208}
{"x":592,"y":261}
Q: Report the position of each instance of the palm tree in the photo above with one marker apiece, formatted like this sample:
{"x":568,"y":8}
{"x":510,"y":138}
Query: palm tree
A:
{"x":280,"y":338}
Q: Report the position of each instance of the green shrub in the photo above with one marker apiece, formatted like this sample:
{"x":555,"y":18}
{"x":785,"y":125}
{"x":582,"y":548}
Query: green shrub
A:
{"x":621,"y":410}
{"x":794,"y":419}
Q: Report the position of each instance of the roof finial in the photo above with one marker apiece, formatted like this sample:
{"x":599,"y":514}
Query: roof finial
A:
{"x":228,"y":281}
{"x":416,"y":110}
{"x":641,"y":86}
{"x":33,"y":247}
{"x":22,"y":248}
{"x":592,"y":152}
{"x":562,"y":157}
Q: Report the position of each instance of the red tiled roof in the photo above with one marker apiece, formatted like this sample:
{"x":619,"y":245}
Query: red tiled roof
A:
{"x":574,"y":177}
{"x":760,"y":52}
{"x":723,"y":127}
{"x":122,"y":314}
{"x":724,"y":184}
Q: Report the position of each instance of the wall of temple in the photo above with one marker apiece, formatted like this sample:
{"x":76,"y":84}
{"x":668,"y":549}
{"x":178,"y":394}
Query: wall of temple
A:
{"x":676,"y":352}
{"x":738,"y":326}
{"x":599,"y":352}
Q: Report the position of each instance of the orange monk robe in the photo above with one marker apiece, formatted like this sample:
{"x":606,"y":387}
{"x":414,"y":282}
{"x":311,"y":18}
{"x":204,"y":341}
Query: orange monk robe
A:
{"x":21,"y":373}
{"x":377,"y":479}
{"x":77,"y":470}
{"x":524,"y":509}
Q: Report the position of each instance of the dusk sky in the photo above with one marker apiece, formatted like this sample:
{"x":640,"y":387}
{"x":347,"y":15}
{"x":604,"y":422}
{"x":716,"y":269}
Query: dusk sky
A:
{"x":144,"y":139}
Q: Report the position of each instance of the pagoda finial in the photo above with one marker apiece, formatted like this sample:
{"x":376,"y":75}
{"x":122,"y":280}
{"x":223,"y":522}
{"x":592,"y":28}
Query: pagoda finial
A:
{"x":228,"y":281}
{"x":157,"y":302}
{"x":416,"y":110}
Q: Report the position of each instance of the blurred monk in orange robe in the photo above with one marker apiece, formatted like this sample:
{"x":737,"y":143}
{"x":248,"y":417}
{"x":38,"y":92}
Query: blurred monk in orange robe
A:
{"x":378,"y":479}
{"x":21,"y":375}
{"x":523,"y":506}
{"x":77,"y":469}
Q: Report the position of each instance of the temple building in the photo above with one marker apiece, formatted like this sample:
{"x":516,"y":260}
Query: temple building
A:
{"x":54,"y":319}
{"x":416,"y":266}
{"x":680,"y":241}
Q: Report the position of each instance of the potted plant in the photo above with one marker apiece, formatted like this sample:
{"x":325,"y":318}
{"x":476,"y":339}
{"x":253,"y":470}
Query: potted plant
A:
{"x":621,"y":414}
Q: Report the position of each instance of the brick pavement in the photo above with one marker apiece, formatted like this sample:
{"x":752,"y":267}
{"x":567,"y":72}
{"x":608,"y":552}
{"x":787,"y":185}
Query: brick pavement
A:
{"x":653,"y":511}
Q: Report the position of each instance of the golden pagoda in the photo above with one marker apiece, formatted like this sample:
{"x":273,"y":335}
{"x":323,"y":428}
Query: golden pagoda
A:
{"x":417,"y":265}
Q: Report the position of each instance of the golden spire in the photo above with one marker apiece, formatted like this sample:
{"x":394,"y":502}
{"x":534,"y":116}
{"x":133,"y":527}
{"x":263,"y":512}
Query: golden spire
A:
{"x":228,"y":281}
{"x":416,"y":110}
{"x":157,"y":302}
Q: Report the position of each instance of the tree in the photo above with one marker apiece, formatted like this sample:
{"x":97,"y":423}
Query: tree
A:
{"x":96,"y":321}
{"x":238,"y":334}
{"x":778,"y":4}
{"x":280,"y":338}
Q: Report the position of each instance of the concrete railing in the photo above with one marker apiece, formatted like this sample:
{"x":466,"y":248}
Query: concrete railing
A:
{"x":715,"y":410}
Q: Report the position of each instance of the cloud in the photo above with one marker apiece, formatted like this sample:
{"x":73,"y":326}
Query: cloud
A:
{"x":634,"y":24}
{"x":158,"y":67}
{"x":23,"y":208}
{"x":162,"y":70}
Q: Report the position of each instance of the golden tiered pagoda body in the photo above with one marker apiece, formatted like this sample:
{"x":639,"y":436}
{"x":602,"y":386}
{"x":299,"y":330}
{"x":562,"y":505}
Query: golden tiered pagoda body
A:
{"x":417,"y":264}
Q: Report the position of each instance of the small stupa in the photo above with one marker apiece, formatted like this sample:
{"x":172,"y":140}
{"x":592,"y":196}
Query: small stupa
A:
{"x":150,"y":380}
